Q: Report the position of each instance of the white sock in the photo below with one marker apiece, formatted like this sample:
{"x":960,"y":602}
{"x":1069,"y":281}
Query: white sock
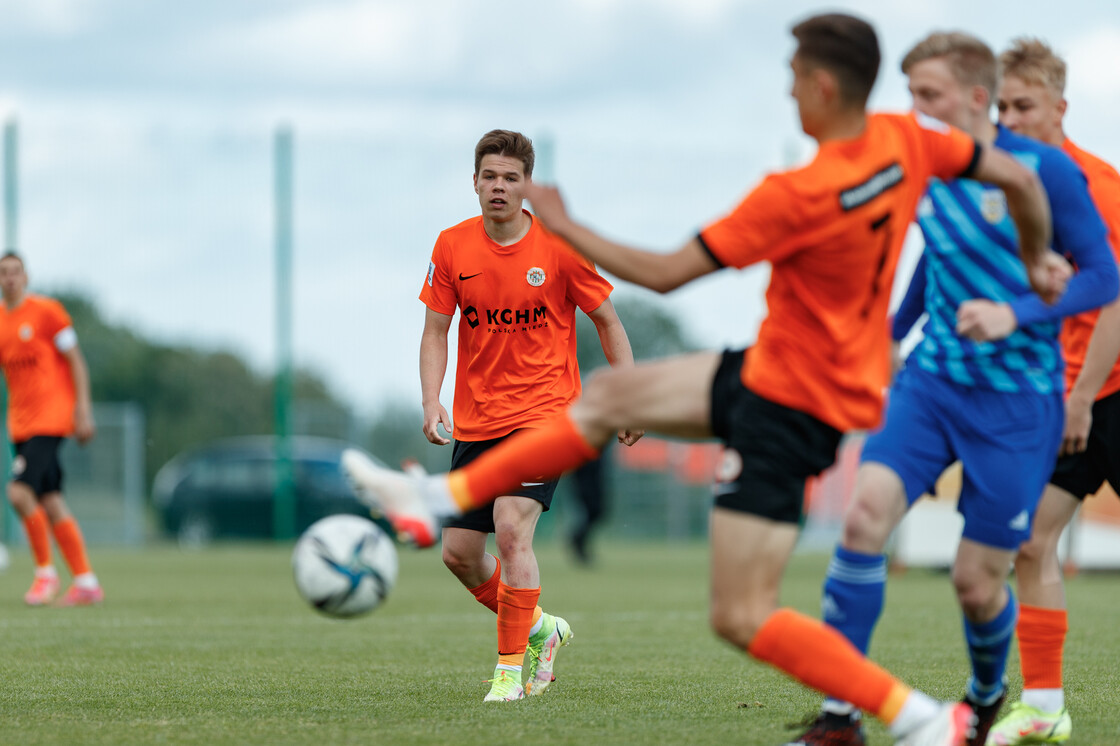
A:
{"x":86,"y":580}
{"x":536,"y":627}
{"x":511,"y":669}
{"x":916,"y":710}
{"x":1047,"y":700}
{"x":838,"y":707}
{"x":46,"y":572}
{"x":438,"y":497}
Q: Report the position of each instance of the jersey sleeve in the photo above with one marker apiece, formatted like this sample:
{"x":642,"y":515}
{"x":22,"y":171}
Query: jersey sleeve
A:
{"x":950,"y":152}
{"x":438,"y":292}
{"x":66,"y":340}
{"x":1104,"y":188}
{"x":55,"y":318}
{"x":913,"y":304}
{"x":586,"y":287}
{"x":758,"y":229}
{"x":1080,"y":234}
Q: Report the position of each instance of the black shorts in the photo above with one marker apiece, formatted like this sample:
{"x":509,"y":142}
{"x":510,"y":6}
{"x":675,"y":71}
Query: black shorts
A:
{"x":1082,"y":474}
{"x":482,"y":519}
{"x":770,"y":450}
{"x":36,"y":464}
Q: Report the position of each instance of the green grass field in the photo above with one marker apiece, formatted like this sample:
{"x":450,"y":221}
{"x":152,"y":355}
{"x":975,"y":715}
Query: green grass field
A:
{"x":215,"y":648}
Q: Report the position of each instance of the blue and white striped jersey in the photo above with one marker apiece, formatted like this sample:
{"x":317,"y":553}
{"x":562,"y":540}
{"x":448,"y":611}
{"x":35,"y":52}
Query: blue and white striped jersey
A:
{"x":972,"y":251}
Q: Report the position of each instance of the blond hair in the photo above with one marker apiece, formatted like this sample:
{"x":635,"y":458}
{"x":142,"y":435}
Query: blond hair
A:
{"x":1033,"y":61}
{"x":971,"y":61}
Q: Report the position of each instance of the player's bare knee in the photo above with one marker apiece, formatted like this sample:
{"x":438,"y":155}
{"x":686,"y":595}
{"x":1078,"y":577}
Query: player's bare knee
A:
{"x":1033,"y":553}
{"x":866,"y":528}
{"x":55,"y":507}
{"x":512,"y":543}
{"x":734,"y":623}
{"x":458,"y":562}
{"x":978,"y":594}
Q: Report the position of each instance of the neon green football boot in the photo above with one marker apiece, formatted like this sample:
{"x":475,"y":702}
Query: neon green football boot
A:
{"x":1027,"y":724}
{"x":504,"y":687}
{"x":555,"y":633}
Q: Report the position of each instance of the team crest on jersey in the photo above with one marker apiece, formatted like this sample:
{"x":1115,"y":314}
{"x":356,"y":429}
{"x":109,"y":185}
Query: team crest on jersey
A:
{"x":993,"y":205}
{"x":25,"y":332}
{"x":535,"y":276}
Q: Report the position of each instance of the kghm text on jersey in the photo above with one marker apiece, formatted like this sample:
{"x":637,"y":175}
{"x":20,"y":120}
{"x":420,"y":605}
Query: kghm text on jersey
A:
{"x":537,"y":317}
{"x":515,"y":316}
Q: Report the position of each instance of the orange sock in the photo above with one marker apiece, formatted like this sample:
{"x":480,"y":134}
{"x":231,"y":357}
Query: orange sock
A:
{"x":515,"y":616}
{"x":1042,"y":633}
{"x":487,"y":593}
{"x":542,"y":453}
{"x":38,"y":536}
{"x":822,"y":658}
{"x":72,"y":546}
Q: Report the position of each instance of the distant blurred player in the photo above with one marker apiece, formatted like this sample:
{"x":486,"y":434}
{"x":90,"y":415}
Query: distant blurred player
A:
{"x":984,"y":386}
{"x":1031,"y":103}
{"x":48,"y":400}
{"x":832,"y":231}
{"x":590,"y":491}
{"x":517,"y":287}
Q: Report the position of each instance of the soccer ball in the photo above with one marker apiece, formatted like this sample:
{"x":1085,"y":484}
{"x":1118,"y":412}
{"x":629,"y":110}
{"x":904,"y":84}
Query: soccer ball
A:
{"x":344,"y":565}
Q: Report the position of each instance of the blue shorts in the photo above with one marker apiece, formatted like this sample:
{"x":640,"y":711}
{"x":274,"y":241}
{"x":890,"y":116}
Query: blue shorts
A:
{"x":1006,"y":442}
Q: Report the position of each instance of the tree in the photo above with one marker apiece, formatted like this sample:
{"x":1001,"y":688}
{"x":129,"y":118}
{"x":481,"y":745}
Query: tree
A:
{"x":188,"y":396}
{"x":653,"y":331}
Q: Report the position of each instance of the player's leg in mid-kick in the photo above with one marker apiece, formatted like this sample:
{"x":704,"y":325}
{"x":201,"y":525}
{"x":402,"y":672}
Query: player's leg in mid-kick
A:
{"x":770,"y":452}
{"x":669,"y":396}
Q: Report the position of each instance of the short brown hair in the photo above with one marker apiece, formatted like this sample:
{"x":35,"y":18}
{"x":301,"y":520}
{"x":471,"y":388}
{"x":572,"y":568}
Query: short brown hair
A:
{"x":971,"y":60}
{"x":507,"y":143}
{"x":1033,"y":61}
{"x":845,"y":46}
{"x":12,"y":254}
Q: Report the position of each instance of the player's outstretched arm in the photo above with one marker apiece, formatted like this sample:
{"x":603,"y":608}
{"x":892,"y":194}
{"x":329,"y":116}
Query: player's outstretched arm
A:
{"x":660,"y":272}
{"x":84,"y":427}
{"x":616,"y":348}
{"x":1100,"y":358}
{"x":433,"y":367}
{"x":1029,"y":208}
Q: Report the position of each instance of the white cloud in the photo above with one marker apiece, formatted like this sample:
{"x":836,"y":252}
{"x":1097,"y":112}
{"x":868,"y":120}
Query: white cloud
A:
{"x":1094,"y":65}
{"x":145,"y":143}
{"x":58,"y":18}
{"x":690,"y":12}
{"x":355,"y":39}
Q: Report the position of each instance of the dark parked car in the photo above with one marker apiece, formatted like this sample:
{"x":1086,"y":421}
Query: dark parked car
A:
{"x":226,"y":488}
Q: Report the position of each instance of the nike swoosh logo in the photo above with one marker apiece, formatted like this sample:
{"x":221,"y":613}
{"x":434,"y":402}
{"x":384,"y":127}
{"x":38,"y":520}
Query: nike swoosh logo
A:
{"x":467,"y":277}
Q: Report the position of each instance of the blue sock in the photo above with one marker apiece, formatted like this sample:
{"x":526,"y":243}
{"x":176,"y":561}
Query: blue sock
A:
{"x":852,"y":600}
{"x":853,"y":594}
{"x":988,"y":645}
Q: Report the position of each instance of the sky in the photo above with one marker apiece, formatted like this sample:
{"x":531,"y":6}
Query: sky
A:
{"x":146,"y":134}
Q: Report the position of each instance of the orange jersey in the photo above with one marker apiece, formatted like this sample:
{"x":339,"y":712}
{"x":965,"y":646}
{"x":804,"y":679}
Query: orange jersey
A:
{"x":833,"y":231}
{"x":1104,"y":188}
{"x":517,"y":329}
{"x":41,"y":393}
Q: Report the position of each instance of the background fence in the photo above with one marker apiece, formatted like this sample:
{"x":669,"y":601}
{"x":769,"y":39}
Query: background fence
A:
{"x":104,"y":480}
